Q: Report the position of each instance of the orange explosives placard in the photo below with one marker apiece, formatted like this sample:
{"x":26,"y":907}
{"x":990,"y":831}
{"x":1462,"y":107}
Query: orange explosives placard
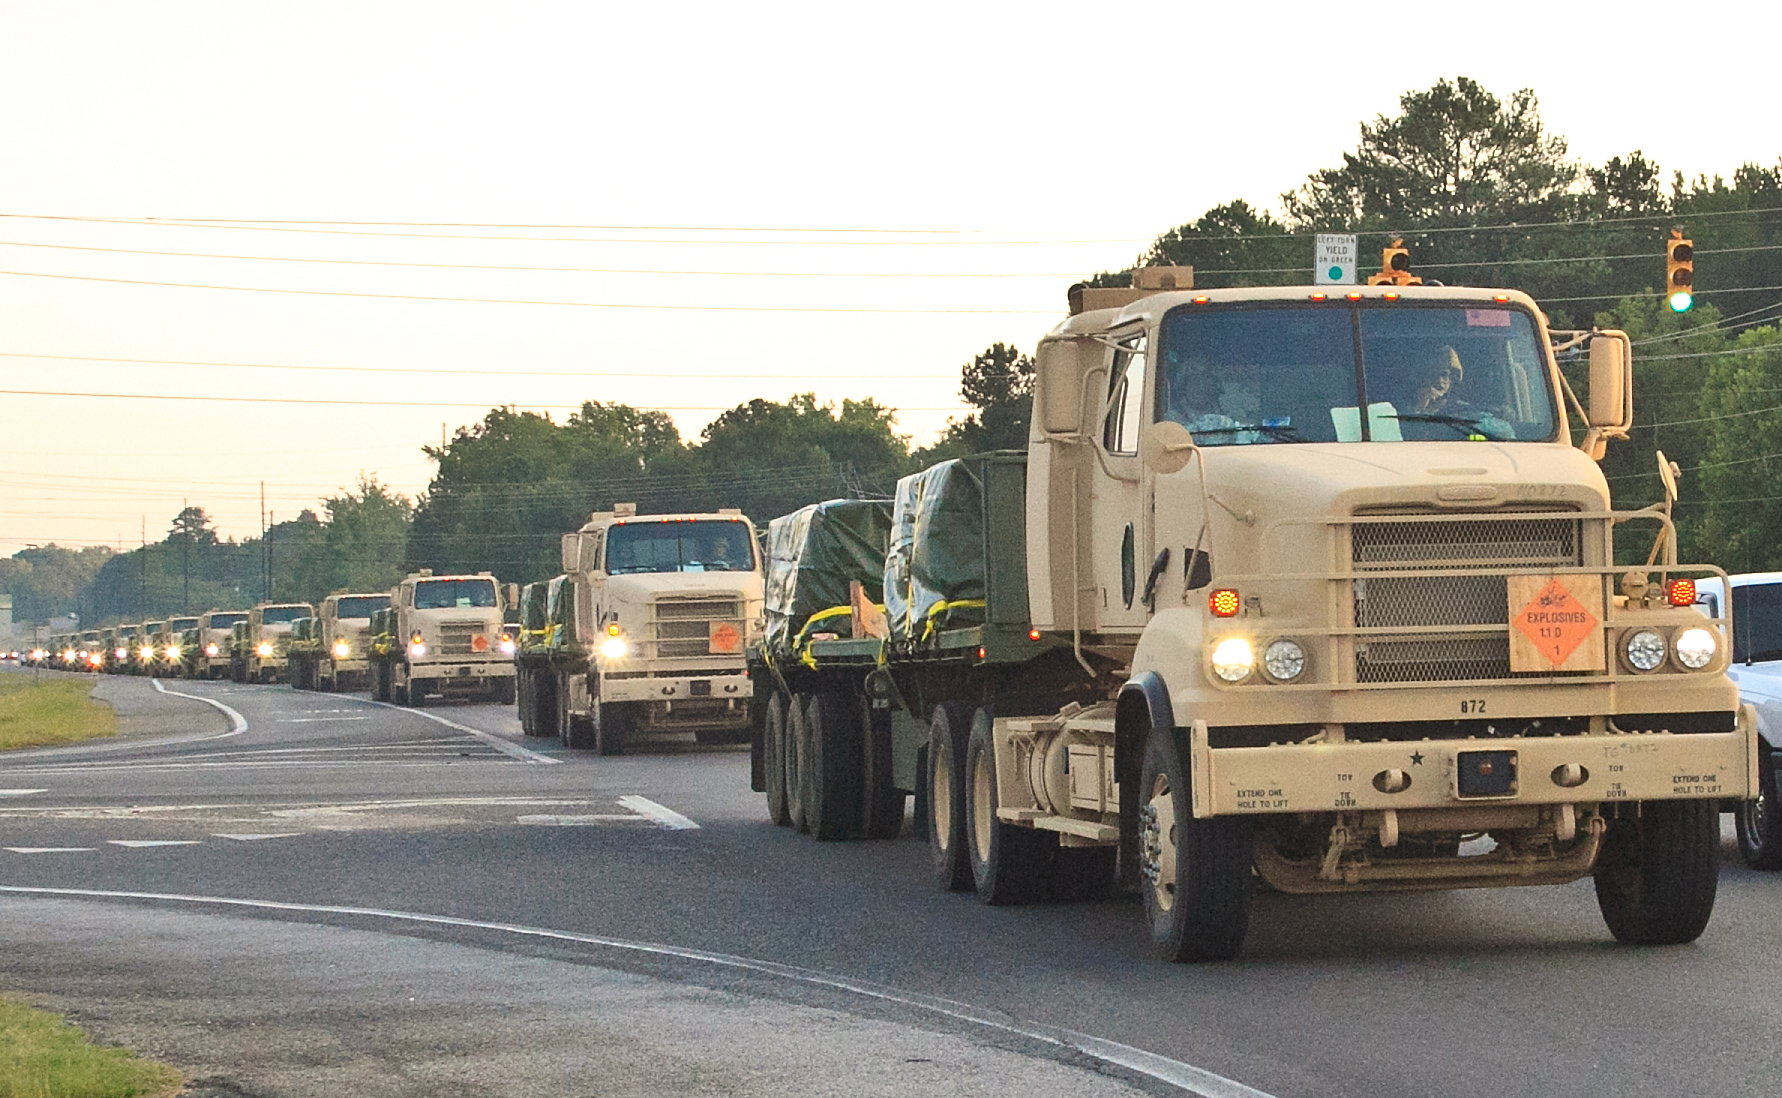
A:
{"x":1555,"y":624}
{"x":726,"y":638}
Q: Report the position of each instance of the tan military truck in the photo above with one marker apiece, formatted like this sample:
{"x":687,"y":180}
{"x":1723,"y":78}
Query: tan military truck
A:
{"x":665,"y":607}
{"x":450,"y":633}
{"x":344,"y":640}
{"x":260,"y":651}
{"x":1306,"y":584}
{"x":212,"y":658}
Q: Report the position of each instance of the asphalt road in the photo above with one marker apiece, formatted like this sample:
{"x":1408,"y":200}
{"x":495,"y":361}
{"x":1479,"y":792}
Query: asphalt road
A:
{"x":333,"y":802}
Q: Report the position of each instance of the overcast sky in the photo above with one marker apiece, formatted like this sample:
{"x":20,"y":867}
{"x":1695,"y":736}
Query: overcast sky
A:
{"x":739,"y":200}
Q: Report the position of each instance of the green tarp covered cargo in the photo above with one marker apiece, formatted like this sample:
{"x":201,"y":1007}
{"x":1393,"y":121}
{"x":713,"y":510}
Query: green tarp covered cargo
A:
{"x":813,"y":554}
{"x":934,"y":571}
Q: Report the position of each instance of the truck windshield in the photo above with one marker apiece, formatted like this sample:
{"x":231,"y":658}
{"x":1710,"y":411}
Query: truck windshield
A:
{"x":360,"y":606}
{"x":1757,"y":622}
{"x":273,"y":615}
{"x":1275,"y":374}
{"x":224,"y":621}
{"x":180,"y":625}
{"x":447,"y":594}
{"x":717,"y":545}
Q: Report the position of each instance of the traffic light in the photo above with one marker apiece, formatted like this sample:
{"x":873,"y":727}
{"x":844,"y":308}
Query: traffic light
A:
{"x":1395,"y":267}
{"x":1679,"y":272}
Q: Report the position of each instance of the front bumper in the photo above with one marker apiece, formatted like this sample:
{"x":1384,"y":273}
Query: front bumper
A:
{"x":461,"y":676}
{"x":679,"y":688}
{"x":1434,"y":774}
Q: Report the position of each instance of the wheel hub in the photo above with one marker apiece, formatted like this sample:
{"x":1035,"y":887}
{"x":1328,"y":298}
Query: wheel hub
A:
{"x":1157,"y":843}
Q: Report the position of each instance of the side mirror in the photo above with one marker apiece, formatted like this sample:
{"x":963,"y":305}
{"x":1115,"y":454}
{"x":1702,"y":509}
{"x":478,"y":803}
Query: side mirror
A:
{"x":1166,"y":447}
{"x":513,"y":595}
{"x":1058,"y":387}
{"x":572,"y":551}
{"x":1611,"y":383}
{"x":1667,"y":475}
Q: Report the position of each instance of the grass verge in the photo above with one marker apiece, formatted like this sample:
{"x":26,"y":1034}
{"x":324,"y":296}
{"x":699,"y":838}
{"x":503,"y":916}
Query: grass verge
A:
{"x":56,"y":710}
{"x":42,"y":1056}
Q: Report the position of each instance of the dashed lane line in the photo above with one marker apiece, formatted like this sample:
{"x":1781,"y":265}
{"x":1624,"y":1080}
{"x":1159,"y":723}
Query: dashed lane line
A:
{"x":665,"y":817}
{"x":144,"y":844}
{"x":250,"y":837}
{"x":1194,"y":1080}
{"x":20,"y":792}
{"x":51,"y":849}
{"x":506,"y":747}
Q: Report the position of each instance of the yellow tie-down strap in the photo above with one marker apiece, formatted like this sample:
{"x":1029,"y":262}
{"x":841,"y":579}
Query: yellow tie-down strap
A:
{"x":943,"y":607}
{"x":1423,"y":774}
{"x":802,"y":645}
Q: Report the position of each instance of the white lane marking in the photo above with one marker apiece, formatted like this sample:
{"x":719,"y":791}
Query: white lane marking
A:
{"x":318,"y":720}
{"x":581,"y":821}
{"x":237,"y":723}
{"x":51,"y":849}
{"x":138,"y":844}
{"x":246,"y":837}
{"x":99,"y":768}
{"x":664,"y":817}
{"x":20,"y":792}
{"x":506,"y":747}
{"x":1186,"y":1076}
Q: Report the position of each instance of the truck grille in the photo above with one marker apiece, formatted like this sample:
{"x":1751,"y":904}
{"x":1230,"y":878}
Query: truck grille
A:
{"x":1433,"y":600}
{"x":281,"y":644}
{"x":683,"y":626}
{"x":458,"y":638}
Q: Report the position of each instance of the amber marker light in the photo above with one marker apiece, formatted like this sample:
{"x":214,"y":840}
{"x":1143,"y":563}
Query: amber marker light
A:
{"x":1353,"y":295}
{"x":1681,"y":592}
{"x":1501,"y":299}
{"x":1224,"y":603}
{"x":1390,"y":295}
{"x":982,"y":654}
{"x":1202,"y":300}
{"x":1319,"y":297}
{"x":1033,"y":634}
{"x":612,"y":630}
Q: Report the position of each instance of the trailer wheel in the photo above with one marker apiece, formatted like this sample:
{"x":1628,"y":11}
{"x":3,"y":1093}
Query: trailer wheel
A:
{"x":541,"y":702}
{"x":1759,"y":820}
{"x":1007,"y":861}
{"x":1656,"y":874}
{"x":833,"y":808}
{"x":773,"y":748}
{"x":947,"y":735}
{"x":798,"y":753}
{"x":1195,"y":873}
{"x":504,"y":691}
{"x":881,"y":802}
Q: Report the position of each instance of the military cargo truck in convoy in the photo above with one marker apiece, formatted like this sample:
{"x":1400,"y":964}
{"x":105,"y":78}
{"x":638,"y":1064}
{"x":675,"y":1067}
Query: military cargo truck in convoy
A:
{"x":344,"y":640}
{"x":212,"y":656}
{"x":534,"y":673}
{"x":653,"y":621}
{"x":1310,"y":585}
{"x":260,"y":649}
{"x":446,"y":640}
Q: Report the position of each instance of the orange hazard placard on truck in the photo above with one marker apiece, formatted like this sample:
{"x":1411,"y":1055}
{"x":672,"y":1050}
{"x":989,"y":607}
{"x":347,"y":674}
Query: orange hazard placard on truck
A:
{"x":1556,"y":623}
{"x":726,"y":638}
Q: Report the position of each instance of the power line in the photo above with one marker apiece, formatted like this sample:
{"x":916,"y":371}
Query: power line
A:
{"x":491,"y":372}
{"x":547,"y":270}
{"x":1720,"y":323}
{"x":524,"y":301}
{"x":388,"y":403}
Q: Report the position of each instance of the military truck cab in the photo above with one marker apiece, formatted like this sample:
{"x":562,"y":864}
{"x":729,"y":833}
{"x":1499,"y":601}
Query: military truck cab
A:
{"x":664,"y":608}
{"x":262,"y":647}
{"x":212,"y":643}
{"x":450,"y":637}
{"x":343,"y":658}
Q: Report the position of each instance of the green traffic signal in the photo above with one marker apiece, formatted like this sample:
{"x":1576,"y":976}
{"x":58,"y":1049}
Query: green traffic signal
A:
{"x":1681,"y":301}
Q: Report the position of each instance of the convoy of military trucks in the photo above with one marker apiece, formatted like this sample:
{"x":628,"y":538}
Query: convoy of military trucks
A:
{"x":1312,"y":588}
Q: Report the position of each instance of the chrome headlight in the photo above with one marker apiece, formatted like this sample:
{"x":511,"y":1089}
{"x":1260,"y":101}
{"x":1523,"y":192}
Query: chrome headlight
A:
{"x":614,"y":648}
{"x":507,"y":648}
{"x":1644,"y":649}
{"x":1233,"y":659}
{"x":173,"y":651}
{"x":416,"y":649}
{"x":1695,"y":648}
{"x":1284,"y":660}
{"x":264,"y":650}
{"x":341,"y":648}
{"x":210,"y":649}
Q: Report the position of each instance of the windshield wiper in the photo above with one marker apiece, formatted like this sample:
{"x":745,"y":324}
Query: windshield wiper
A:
{"x":1272,"y":430}
{"x":1466,"y":425}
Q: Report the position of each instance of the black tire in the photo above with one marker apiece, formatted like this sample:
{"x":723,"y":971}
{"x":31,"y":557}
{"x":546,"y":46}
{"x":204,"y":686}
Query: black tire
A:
{"x":380,"y":679}
{"x":541,"y":703}
{"x":1008,"y":862}
{"x":1657,"y":873}
{"x":1759,"y":821}
{"x":613,"y":726}
{"x":504,"y":691}
{"x":418,"y":690}
{"x":948,"y":732}
{"x":577,"y":733}
{"x":1195,"y":873}
{"x":238,"y":671}
{"x":882,"y":804}
{"x":399,"y":695}
{"x":833,"y":726}
{"x":798,"y":751}
{"x":773,"y":751}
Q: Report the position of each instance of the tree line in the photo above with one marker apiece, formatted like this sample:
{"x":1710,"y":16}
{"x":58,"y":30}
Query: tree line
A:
{"x":1481,"y":192}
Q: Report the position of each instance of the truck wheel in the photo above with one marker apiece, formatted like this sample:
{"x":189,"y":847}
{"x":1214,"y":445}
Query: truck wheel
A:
{"x":798,"y":750}
{"x":1759,"y":820}
{"x":417,"y":692}
{"x":1196,"y":873}
{"x":504,"y":691}
{"x":1656,"y":874}
{"x":1007,"y":861}
{"x":541,"y":703}
{"x":773,"y":750}
{"x":947,"y":735}
{"x":882,"y":803}
{"x":613,"y":724}
{"x":380,"y":679}
{"x":577,"y":733}
{"x":833,"y":810}
{"x":238,"y":671}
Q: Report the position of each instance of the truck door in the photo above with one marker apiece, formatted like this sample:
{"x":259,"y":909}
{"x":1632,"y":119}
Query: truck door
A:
{"x":1121,"y":527}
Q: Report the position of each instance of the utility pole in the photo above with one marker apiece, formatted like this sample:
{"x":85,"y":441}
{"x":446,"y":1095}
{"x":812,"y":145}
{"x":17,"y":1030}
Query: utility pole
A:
{"x":272,"y":519}
{"x":142,"y":587}
{"x":185,"y":553}
{"x":265,"y":559}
